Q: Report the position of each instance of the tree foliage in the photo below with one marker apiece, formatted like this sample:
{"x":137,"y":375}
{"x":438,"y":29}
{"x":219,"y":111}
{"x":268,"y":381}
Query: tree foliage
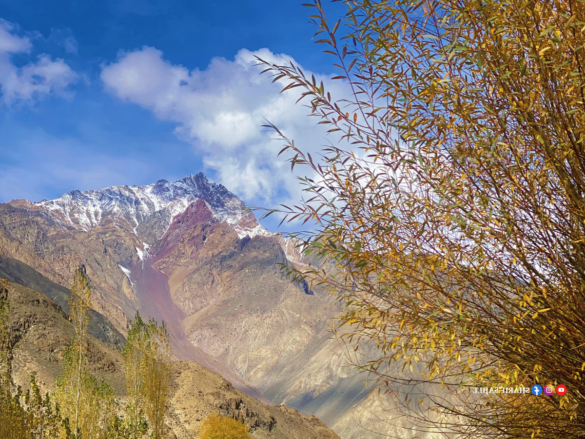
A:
{"x":454,"y":205}
{"x":88,"y":403}
{"x":223,"y":427}
{"x":147,"y":368}
{"x":134,"y":367}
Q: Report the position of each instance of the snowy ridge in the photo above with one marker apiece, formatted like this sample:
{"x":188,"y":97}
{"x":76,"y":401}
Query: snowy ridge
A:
{"x":140,"y":204}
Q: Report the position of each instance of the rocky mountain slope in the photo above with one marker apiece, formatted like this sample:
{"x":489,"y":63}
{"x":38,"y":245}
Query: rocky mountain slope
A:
{"x":21,"y":274}
{"x":41,"y":331}
{"x":190,"y":253}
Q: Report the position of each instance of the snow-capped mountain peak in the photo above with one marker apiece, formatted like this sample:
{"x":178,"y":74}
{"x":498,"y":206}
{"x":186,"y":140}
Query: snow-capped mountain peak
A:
{"x":157,"y":203}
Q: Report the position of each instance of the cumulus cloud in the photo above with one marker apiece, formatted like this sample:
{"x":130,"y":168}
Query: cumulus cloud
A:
{"x":31,"y":81}
{"x":220,"y":111}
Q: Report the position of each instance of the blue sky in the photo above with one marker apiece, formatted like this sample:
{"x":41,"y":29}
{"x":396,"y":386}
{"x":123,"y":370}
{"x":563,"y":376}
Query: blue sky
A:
{"x":100,"y":93}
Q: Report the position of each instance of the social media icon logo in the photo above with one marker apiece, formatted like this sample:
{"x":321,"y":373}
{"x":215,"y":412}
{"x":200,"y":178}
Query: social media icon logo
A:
{"x":549,"y":390}
{"x":561,"y":389}
{"x":536,"y":389}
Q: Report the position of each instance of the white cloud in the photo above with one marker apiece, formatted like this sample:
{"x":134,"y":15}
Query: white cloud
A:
{"x":220,"y":111}
{"x":11,"y":43}
{"x":33,"y":80}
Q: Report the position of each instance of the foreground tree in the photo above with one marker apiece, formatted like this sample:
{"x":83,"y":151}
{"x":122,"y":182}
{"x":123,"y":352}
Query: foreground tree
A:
{"x":87,"y":403}
{"x":455,"y":215}
{"x":147,"y":368}
{"x":44,"y":418}
{"x":134,"y":368}
{"x":156,"y":377}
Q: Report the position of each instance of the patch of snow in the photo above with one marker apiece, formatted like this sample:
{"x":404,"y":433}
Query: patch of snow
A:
{"x":145,"y":249}
{"x":144,"y":253}
{"x":256,"y":231}
{"x":127,"y":273}
{"x":232,"y":212}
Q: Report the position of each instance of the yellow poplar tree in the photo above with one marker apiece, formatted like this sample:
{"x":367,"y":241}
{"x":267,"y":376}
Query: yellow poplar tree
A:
{"x":87,"y":402}
{"x":44,"y":419}
{"x":134,"y":353}
{"x":147,"y":367}
{"x":156,"y":376}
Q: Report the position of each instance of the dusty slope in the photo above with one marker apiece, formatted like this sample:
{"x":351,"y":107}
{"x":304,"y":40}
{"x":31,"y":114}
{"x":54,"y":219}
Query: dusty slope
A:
{"x":40,"y":332}
{"x":238,"y":307}
{"x":55,"y":251}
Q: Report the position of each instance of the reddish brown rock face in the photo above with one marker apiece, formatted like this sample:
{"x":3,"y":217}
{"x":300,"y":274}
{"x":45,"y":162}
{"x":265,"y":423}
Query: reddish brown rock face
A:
{"x":195,"y":216}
